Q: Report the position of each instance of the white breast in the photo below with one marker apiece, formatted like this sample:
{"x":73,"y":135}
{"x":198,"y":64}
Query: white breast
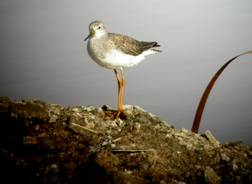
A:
{"x":113,"y":58}
{"x":116,"y":58}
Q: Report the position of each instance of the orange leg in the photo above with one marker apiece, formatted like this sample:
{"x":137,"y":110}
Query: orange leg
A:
{"x":121,"y":90}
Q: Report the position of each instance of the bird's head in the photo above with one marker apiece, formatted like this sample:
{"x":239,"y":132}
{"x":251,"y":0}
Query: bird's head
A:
{"x":96,"y":30}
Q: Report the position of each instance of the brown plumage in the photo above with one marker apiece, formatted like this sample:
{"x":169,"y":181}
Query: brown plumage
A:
{"x":131,"y":46}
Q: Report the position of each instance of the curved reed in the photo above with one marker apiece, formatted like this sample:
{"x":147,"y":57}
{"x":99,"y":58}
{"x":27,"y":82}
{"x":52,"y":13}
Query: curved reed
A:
{"x":204,"y":97}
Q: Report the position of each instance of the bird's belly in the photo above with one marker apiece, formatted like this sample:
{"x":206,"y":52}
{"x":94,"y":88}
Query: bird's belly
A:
{"x":117,"y":59}
{"x":112,"y":58}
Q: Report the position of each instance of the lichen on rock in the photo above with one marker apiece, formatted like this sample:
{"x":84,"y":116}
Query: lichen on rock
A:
{"x":49,"y":143}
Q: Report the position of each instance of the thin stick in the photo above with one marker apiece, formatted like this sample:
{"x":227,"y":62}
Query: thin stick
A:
{"x":74,"y":127}
{"x":131,"y":151}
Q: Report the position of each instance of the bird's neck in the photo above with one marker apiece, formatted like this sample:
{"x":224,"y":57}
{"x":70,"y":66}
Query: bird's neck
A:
{"x":100,"y":34}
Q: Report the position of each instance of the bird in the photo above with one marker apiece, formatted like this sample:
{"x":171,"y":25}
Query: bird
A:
{"x":117,"y":52}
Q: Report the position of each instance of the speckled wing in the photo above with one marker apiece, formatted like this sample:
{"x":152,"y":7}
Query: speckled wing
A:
{"x":131,"y":46}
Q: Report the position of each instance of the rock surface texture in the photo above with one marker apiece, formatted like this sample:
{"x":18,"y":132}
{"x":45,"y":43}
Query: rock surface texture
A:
{"x":49,"y":143}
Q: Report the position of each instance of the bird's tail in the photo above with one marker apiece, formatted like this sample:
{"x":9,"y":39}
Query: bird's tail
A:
{"x":151,"y":46}
{"x":155,"y":47}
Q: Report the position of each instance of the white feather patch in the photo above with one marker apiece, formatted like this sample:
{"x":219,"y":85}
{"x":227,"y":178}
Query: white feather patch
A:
{"x":117,"y":59}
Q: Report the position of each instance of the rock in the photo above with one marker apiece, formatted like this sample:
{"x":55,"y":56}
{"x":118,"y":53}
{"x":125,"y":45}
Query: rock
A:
{"x":211,"y":176}
{"x":212,"y":139}
{"x":49,"y":143}
{"x":224,"y":157}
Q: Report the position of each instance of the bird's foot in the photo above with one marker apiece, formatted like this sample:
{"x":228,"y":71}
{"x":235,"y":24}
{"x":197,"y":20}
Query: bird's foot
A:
{"x":121,"y":115}
{"x":113,"y":114}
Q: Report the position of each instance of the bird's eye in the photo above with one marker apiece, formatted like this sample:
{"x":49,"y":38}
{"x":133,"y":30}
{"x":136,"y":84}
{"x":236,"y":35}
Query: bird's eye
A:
{"x":99,"y":27}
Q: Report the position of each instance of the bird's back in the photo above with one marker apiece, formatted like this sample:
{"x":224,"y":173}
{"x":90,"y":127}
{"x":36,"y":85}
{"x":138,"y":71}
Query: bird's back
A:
{"x":130,"y":45}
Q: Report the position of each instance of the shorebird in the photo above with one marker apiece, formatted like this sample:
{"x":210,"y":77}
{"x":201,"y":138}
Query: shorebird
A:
{"x":116,"y":52}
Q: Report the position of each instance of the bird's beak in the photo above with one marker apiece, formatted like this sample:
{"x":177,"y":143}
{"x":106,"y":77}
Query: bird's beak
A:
{"x":87,"y":37}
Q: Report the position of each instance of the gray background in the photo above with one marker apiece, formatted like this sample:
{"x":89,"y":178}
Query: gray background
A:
{"x":43,"y":56}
